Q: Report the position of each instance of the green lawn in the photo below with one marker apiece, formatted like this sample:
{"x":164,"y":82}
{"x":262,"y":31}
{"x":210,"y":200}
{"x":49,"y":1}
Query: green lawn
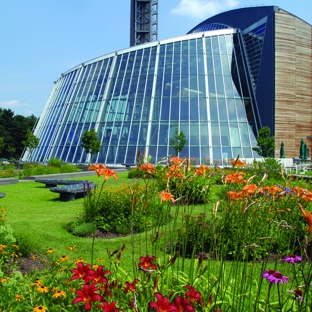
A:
{"x":40,"y":219}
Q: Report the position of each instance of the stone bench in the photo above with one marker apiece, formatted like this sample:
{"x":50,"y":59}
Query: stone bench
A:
{"x":55,"y":182}
{"x":129,"y":166}
{"x":73,"y":191}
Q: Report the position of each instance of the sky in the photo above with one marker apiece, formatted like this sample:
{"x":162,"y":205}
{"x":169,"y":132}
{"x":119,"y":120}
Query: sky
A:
{"x":40,"y":40}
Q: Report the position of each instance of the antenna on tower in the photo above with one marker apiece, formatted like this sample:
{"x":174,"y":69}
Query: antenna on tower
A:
{"x":143,"y":21}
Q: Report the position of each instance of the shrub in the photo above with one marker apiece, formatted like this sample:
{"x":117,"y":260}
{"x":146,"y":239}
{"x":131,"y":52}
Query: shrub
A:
{"x":55,"y":162}
{"x":135,"y":173}
{"x":270,"y":166}
{"x":66,"y":168}
{"x":83,"y":229}
{"x":125,"y":209}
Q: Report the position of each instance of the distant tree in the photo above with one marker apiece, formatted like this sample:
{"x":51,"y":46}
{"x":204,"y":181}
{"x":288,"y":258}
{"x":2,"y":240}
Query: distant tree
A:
{"x":265,"y":142}
{"x":90,"y":142}
{"x":13,"y":130}
{"x":178,"y":141}
{"x":2,"y":145}
{"x":11,"y":150}
{"x":31,"y":142}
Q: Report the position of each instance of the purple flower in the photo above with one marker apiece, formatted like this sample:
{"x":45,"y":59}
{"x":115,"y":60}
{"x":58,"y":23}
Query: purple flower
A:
{"x":297,"y":293}
{"x":293,"y":258}
{"x":287,"y":190}
{"x":268,"y":273}
{"x":275,"y":276}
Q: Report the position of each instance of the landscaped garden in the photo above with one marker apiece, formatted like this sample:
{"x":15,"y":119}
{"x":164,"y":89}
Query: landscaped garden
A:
{"x":172,"y":237}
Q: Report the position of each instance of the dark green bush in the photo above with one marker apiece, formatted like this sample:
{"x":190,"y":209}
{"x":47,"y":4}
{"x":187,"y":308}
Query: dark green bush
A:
{"x":125,"y":209}
{"x":135,"y":173}
{"x":55,"y":162}
{"x":83,"y":229}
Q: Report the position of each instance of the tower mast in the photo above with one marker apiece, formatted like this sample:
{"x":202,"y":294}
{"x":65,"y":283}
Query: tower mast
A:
{"x":143,"y":21}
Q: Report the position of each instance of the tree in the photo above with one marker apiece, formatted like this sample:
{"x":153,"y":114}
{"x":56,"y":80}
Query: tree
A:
{"x":2,"y":145}
{"x":90,"y":142}
{"x":31,"y":142}
{"x":13,"y":130}
{"x":178,"y":141}
{"x":265,"y":142}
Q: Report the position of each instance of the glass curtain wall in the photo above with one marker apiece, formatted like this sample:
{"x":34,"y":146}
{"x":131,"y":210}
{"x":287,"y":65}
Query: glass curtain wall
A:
{"x":136,"y":98}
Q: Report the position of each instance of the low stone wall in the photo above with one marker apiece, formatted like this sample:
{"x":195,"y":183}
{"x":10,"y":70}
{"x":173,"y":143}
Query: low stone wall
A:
{"x":66,"y":175}
{"x":62,"y":175}
{"x":6,"y":181}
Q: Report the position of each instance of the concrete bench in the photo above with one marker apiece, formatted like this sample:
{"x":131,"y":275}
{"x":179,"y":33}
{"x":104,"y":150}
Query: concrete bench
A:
{"x":128,"y":166}
{"x":73,"y":191}
{"x":55,"y":182}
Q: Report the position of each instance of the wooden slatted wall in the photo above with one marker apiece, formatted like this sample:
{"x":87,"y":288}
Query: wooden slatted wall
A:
{"x":293,"y":83}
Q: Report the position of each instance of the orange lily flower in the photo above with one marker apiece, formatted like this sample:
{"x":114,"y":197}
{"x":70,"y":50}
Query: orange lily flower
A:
{"x":272,"y":189}
{"x":307,"y":196}
{"x":238,"y":163}
{"x":232,"y":195}
{"x":165,"y":196}
{"x":176,"y":160}
{"x":97,"y":168}
{"x":107,"y":173}
{"x":249,"y":189}
{"x":235,"y":178}
{"x":175,"y":171}
{"x":308,"y":217}
{"x":298,"y":190}
{"x":148,"y":168}
{"x":201,"y":170}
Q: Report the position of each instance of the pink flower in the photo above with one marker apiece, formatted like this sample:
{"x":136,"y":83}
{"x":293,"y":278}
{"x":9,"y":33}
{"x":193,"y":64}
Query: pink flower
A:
{"x":162,"y":304}
{"x":298,"y":293}
{"x":147,"y":264}
{"x":183,"y":305}
{"x":292,"y":258}
{"x":109,"y":307}
{"x":130,"y":286}
{"x":81,"y":272}
{"x":98,"y":276}
{"x":193,"y":295}
{"x":275,"y":277}
{"x":87,"y":295}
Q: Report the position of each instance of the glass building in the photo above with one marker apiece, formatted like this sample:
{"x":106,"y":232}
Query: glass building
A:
{"x":209,"y":83}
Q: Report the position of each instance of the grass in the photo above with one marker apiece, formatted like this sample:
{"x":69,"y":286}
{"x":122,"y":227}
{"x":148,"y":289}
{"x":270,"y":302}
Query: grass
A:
{"x":40,"y":220}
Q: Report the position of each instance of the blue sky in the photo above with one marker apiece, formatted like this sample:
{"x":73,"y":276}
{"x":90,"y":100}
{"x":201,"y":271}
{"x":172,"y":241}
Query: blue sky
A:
{"x":42,"y":39}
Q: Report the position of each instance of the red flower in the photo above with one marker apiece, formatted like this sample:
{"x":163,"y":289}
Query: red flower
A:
{"x":97,"y":276}
{"x":108,"y":307}
{"x":162,"y":304}
{"x":193,"y":295}
{"x":147,"y":264}
{"x":130,"y":286}
{"x":81,"y":272}
{"x":183,"y":304}
{"x":87,"y":295}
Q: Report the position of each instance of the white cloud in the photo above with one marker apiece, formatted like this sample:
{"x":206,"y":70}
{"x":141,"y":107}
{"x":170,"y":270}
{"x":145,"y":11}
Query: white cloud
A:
{"x":203,"y":8}
{"x":28,"y":113}
{"x":12,"y":104}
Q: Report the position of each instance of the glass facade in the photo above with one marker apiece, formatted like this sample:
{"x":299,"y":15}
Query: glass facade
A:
{"x":202,"y":83}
